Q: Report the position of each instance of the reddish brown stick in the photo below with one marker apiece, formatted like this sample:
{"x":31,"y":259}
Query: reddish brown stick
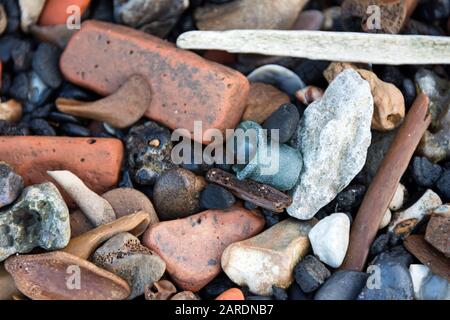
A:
{"x":383,"y":186}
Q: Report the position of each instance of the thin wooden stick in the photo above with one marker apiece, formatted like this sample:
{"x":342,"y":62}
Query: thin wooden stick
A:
{"x":324,"y":45}
{"x":384,"y":184}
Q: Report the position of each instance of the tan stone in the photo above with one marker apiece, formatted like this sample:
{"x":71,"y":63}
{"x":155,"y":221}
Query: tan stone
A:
{"x":269,"y":258}
{"x":10,"y":110}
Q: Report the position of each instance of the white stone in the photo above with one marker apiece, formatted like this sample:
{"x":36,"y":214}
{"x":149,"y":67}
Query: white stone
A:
{"x":30,"y":10}
{"x":428,"y":286}
{"x":329,"y":239}
{"x":333,"y":137}
{"x":399,"y":198}
{"x":386,"y":219}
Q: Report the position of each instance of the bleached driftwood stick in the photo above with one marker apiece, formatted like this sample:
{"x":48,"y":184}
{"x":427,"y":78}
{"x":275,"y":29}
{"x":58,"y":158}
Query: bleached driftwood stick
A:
{"x":322,"y":45}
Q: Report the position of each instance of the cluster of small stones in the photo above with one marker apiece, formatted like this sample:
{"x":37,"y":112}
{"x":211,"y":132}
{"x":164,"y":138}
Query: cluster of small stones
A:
{"x":87,"y":176}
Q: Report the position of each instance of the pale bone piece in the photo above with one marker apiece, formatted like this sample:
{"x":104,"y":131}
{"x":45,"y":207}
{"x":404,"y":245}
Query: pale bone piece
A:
{"x":323,"y":45}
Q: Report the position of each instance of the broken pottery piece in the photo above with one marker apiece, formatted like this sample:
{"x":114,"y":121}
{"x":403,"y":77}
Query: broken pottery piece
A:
{"x":269,"y":258}
{"x":438,"y":229}
{"x":84,"y":245}
{"x":97,"y":209}
{"x":404,"y":222}
{"x":121,"y":109}
{"x":53,"y":276}
{"x":192,"y":246}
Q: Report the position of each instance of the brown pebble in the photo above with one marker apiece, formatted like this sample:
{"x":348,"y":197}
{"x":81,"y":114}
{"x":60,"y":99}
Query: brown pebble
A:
{"x":192,"y":247}
{"x":10,"y":110}
{"x":309,"y":94}
{"x":160,"y":290}
{"x":127,"y":201}
{"x":185,"y":295}
{"x":3,"y":20}
{"x":96,"y":161}
{"x":389,"y":104}
{"x":438,"y":230}
{"x":309,"y":20}
{"x":428,"y":255}
{"x":85,"y":244}
{"x":176,"y":194}
{"x":121,"y":109}
{"x":262,"y":195}
{"x":249,"y":14}
{"x":48,"y":277}
{"x":124,"y":201}
{"x":263,"y":100}
{"x":7,"y":286}
{"x":185,"y":87}
{"x":394,"y":13}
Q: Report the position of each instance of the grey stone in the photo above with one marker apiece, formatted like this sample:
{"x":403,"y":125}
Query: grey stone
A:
{"x":390,"y":277}
{"x":333,"y":138}
{"x":342,"y":285}
{"x":436,"y":88}
{"x":11,"y":184}
{"x":124,"y":255}
{"x":278,"y":76}
{"x":39,"y":218}
{"x":428,"y":286}
{"x":310,"y":273}
{"x":156,"y":17}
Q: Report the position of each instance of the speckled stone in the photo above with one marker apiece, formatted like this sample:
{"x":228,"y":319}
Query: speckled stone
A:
{"x":11,"y":184}
{"x":39,"y":218}
{"x":124,"y":256}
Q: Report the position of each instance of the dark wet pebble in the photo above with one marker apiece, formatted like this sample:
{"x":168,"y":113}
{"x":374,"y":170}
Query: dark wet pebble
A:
{"x":70,"y":91}
{"x":285,"y":120}
{"x":443,"y":186}
{"x":28,"y":107}
{"x":75,"y":130}
{"x":7,"y":44}
{"x":311,"y":71}
{"x":115,"y":132}
{"x":63,"y":117}
{"x":42,"y":112}
{"x":279,"y":293}
{"x":249,"y":205}
{"x":6,"y":83}
{"x":433,"y":10}
{"x":10,"y":129}
{"x":22,"y":55}
{"x":41,"y":127}
{"x":342,"y":285}
{"x":216,"y":197}
{"x":216,"y":287}
{"x":103,"y":11}
{"x":272,"y":218}
{"x":46,"y":64}
{"x":296,"y":293}
{"x":13,"y":12}
{"x":38,"y":91}
{"x":380,"y":244}
{"x":424,"y":172}
{"x":392,"y":75}
{"x":126,"y":181}
{"x":391,"y":278}
{"x":310,"y":273}
{"x":149,"y":148}
{"x":408,"y":89}
{"x":258,"y":298}
{"x":19,"y":87}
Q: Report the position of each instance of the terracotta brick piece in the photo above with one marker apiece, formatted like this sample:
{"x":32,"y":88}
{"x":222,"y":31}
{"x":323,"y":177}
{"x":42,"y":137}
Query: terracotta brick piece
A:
{"x":186,"y":87}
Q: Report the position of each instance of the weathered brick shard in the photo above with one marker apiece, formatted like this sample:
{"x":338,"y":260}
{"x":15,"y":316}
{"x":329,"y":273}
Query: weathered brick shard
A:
{"x":185,"y":87}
